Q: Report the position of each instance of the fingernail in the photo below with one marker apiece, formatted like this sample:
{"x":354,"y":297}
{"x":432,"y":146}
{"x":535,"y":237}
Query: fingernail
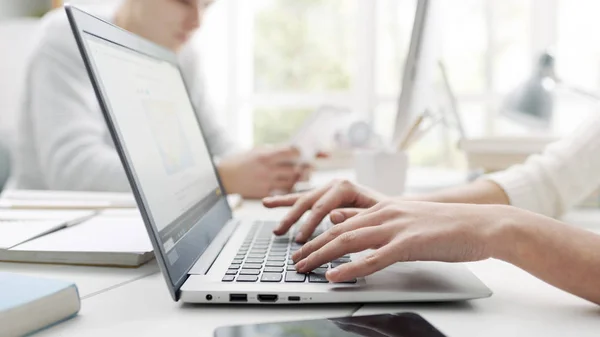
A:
{"x":299,"y":236}
{"x":300,"y":265}
{"x":336,"y":217}
{"x":332,"y":273}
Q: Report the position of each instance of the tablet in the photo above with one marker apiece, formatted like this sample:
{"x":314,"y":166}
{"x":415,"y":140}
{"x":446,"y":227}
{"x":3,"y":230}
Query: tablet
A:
{"x":388,"y":325}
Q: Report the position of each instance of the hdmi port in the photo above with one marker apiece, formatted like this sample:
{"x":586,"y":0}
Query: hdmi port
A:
{"x":268,"y":298}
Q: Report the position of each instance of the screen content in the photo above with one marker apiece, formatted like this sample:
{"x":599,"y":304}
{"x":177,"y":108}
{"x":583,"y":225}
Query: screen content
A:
{"x":392,"y":325}
{"x":159,"y":132}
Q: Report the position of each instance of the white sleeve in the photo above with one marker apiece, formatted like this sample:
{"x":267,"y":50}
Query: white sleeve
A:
{"x":565,"y":174}
{"x":218,"y":139}
{"x":68,"y":131}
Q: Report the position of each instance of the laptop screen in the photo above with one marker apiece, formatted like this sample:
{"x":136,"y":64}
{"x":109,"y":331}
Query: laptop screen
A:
{"x":164,"y":148}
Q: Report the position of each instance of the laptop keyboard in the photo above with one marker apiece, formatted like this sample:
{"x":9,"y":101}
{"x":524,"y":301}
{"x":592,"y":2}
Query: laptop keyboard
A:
{"x":264,"y":257}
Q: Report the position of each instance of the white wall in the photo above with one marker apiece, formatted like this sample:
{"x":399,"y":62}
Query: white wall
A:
{"x":19,"y":8}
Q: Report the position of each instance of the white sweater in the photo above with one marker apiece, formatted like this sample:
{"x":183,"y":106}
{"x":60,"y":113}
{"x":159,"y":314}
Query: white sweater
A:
{"x":63,"y":142}
{"x":565,"y":174}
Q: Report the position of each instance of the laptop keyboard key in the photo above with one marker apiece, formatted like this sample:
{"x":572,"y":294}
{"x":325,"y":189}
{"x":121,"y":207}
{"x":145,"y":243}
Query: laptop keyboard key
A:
{"x":258,"y":261}
{"x":231,"y":272}
{"x":275,"y":264}
{"x":249,"y":272}
{"x":291,"y":267}
{"x":237,"y":261}
{"x":277,"y":253}
{"x":317,"y":278}
{"x":276,"y":258}
{"x":247,"y":278}
{"x":294,"y":277}
{"x":350,"y":282}
{"x":273,"y":270}
{"x":270,"y":277}
{"x":234,"y":266}
{"x":252,"y":266}
{"x":279,"y":249}
{"x":228,"y":278}
{"x":320,"y":270}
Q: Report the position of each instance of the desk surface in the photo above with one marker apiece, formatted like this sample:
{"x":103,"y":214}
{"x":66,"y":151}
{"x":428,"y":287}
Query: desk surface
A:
{"x":123,"y":302}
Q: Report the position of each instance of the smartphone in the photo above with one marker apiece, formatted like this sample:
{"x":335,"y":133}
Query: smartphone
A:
{"x":388,"y":325}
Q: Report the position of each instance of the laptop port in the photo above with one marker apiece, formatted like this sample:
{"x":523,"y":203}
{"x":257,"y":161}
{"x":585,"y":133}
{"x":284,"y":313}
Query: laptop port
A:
{"x":238,"y":298}
{"x":294,"y":298}
{"x":268,"y":298}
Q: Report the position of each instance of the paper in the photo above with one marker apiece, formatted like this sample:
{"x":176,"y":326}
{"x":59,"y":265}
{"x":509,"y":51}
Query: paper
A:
{"x":69,"y":216}
{"x":26,"y":199}
{"x":107,"y":234}
{"x":319,"y":131}
{"x":13,"y":233}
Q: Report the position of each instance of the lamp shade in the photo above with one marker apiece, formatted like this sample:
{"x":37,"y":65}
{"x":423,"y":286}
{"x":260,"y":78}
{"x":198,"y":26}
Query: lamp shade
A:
{"x":532,"y":102}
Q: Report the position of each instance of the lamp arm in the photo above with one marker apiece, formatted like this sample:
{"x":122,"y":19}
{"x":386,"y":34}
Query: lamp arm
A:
{"x":579,"y":91}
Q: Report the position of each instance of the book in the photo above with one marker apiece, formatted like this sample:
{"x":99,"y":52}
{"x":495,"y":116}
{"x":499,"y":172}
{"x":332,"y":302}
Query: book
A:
{"x":29,"y":199}
{"x":29,"y":304}
{"x":104,"y":240}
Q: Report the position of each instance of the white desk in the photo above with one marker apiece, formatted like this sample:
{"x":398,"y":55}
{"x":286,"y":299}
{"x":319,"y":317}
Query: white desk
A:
{"x":521,"y":306}
{"x":144,"y":308}
{"x":124,"y":302}
{"x":89,"y":280}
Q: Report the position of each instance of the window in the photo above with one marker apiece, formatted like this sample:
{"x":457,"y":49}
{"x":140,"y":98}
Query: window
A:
{"x":270,"y":63}
{"x":288,"y":57}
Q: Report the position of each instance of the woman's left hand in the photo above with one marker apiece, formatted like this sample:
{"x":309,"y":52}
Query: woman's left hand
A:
{"x":406,"y":231}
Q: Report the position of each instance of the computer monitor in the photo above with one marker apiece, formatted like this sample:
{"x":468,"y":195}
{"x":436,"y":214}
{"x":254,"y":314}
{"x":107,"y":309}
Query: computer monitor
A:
{"x":418,"y":79}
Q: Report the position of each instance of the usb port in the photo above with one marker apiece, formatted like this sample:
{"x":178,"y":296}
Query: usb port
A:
{"x":268,"y":298}
{"x":294,"y":298}
{"x":238,"y":298}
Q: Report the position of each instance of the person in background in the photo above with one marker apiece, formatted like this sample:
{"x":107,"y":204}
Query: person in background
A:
{"x":510,"y":216}
{"x":63,"y":141}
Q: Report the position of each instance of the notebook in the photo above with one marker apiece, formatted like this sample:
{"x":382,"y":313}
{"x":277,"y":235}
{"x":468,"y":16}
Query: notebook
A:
{"x":27,"y":199}
{"x":17,"y":227}
{"x":29,"y":304}
{"x":105,"y":240}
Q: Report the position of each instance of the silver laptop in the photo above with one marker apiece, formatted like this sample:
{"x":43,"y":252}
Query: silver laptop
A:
{"x":205,"y":255}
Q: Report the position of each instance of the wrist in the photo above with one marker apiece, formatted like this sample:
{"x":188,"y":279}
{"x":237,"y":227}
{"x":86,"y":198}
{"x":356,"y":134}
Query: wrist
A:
{"x":505,"y":231}
{"x":225,"y":174}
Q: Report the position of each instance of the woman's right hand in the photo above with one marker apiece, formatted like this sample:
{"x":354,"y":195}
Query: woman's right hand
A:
{"x":339,"y":199}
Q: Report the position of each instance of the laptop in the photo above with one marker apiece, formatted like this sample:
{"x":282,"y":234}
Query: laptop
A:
{"x":205,"y":255}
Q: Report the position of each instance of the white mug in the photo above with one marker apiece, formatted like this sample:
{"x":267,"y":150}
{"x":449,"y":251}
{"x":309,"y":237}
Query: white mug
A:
{"x":383,"y":171}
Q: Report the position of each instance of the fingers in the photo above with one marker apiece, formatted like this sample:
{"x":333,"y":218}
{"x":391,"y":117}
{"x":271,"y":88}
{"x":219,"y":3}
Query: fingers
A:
{"x":282,"y":200}
{"x":349,"y":242}
{"x":342,"y":214}
{"x":333,"y":198}
{"x":302,"y":204}
{"x":284,"y":155}
{"x":365,"y":220}
{"x":376,"y":261}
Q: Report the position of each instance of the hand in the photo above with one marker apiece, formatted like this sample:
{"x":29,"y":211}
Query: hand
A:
{"x":260,"y":172}
{"x":406,"y":231}
{"x":321,"y":202}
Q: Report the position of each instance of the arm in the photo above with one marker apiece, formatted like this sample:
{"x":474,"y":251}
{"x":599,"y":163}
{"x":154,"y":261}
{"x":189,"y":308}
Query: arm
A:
{"x":68,"y":130}
{"x":479,"y":192}
{"x":564,"y":256}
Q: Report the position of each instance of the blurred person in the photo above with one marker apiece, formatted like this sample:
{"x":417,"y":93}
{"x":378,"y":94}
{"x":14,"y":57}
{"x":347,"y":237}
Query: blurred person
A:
{"x":63,"y":141}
